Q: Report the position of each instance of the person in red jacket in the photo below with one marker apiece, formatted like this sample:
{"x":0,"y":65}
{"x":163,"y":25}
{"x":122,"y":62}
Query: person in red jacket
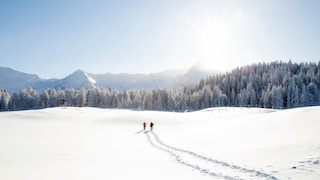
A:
{"x":144,"y":125}
{"x":151,"y":126}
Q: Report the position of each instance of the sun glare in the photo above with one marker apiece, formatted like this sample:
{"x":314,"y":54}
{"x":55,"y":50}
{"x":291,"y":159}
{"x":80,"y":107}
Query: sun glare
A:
{"x":214,"y":39}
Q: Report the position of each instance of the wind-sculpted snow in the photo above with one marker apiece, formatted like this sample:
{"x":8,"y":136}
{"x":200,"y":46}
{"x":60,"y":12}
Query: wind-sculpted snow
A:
{"x":207,"y":166}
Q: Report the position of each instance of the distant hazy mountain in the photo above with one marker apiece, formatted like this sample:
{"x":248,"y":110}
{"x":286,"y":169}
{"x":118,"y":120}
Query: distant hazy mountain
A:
{"x":195,"y":73}
{"x":13,"y":81}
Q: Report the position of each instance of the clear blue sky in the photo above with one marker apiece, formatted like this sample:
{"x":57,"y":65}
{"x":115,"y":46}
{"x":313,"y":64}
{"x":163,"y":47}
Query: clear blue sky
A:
{"x":53,"y":38}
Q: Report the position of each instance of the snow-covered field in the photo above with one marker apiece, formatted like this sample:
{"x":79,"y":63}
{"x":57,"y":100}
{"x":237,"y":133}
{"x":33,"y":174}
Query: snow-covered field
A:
{"x":219,"y":143}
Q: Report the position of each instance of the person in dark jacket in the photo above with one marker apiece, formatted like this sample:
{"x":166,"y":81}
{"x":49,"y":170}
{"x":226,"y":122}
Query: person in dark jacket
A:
{"x":144,"y":125}
{"x":151,"y":126}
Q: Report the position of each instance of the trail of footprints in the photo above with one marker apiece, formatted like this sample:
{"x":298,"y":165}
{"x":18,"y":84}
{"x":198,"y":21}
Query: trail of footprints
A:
{"x":205,"y":165}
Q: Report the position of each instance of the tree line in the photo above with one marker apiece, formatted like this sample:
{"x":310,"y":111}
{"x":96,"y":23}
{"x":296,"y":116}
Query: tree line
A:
{"x":267,"y":85}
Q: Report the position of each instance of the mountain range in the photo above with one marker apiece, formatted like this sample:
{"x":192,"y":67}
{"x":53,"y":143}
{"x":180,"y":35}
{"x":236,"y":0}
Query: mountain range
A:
{"x":13,"y":81}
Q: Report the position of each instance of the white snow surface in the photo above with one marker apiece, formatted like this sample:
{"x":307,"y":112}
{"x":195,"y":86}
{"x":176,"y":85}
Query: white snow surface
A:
{"x":218,"y":143}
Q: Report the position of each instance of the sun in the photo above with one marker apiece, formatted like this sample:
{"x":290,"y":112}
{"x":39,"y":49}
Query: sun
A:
{"x":211,"y":38}
{"x":206,"y":36}
{"x":213,"y":44}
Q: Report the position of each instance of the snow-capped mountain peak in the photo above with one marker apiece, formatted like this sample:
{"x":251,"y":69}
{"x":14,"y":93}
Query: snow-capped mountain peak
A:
{"x":78,"y":79}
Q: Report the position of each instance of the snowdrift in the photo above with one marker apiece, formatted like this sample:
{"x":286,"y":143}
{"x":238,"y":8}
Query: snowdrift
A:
{"x":217,"y":143}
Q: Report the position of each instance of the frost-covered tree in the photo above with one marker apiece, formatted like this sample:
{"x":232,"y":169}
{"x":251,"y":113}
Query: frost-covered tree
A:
{"x":277,"y":98}
{"x":222,"y":100}
{"x":147,"y":102}
{"x":70,"y":97}
{"x":296,"y":97}
{"x":4,"y":99}
{"x":243,"y":98}
{"x":195,"y":99}
{"x":304,"y":96}
{"x":14,"y":102}
{"x":207,"y":97}
{"x":92,"y":98}
{"x":171,"y":102}
{"x":28,"y":98}
{"x":216,"y":92}
{"x":159,"y":106}
{"x":44,"y":99}
{"x":53,"y":100}
{"x":137,"y":100}
{"x":183,"y":102}
{"x":125,"y":100}
{"x":232,"y":98}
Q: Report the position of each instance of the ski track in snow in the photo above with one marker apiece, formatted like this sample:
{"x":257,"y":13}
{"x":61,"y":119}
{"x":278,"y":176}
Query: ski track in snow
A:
{"x":205,"y":165}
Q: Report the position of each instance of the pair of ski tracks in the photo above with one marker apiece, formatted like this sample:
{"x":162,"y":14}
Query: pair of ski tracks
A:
{"x":205,"y":165}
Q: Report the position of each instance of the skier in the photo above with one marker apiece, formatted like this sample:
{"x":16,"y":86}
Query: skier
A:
{"x":151,"y":126}
{"x":144,"y":125}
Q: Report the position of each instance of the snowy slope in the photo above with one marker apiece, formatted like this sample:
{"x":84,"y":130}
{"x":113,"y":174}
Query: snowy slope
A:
{"x":219,"y":143}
